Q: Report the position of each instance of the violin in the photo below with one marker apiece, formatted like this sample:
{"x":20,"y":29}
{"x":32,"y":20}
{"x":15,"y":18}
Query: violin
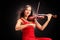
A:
{"x":41,"y":16}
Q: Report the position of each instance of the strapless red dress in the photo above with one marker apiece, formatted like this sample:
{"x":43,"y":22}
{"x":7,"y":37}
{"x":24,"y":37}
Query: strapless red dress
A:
{"x":28,"y":33}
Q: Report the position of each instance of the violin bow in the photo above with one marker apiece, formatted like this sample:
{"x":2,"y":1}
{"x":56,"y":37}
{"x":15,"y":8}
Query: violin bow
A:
{"x":38,"y":7}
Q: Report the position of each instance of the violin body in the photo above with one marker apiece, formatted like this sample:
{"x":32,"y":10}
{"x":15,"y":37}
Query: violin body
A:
{"x":36,"y":17}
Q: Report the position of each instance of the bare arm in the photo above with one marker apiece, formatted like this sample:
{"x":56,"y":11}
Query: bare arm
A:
{"x":42,"y":27}
{"x":19,"y":26}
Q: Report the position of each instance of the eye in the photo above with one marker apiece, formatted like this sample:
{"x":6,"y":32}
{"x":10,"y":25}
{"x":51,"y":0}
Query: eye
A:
{"x":29,"y":9}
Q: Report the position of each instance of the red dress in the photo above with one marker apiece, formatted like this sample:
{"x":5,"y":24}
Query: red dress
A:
{"x":28,"y":33}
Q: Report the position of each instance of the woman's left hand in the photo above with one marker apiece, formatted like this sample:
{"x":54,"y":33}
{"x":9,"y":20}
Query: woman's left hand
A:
{"x":49,"y":16}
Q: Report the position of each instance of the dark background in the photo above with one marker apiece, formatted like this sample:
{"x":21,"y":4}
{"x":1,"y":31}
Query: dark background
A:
{"x":9,"y":17}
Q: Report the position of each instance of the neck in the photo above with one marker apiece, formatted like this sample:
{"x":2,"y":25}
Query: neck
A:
{"x":25,"y":17}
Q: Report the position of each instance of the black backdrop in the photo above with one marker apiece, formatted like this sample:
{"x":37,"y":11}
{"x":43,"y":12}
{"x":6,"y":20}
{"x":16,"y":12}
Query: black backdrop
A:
{"x":9,"y":18}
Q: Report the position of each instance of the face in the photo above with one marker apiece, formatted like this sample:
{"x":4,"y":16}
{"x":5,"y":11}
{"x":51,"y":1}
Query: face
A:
{"x":27,"y":11}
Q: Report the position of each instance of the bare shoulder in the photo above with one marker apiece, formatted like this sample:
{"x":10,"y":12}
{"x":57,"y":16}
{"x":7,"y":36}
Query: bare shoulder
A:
{"x":19,"y":20}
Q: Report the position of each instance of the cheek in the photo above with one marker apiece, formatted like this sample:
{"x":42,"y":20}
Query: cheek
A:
{"x":25,"y":12}
{"x":29,"y":13}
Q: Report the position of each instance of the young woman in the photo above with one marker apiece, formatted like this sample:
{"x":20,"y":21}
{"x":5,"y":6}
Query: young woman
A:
{"x":27,"y":26}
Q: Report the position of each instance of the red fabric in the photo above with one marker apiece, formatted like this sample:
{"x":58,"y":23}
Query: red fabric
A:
{"x":28,"y":33}
{"x":43,"y":38}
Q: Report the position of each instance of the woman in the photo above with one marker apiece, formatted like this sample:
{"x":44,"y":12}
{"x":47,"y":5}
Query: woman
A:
{"x":27,"y":26}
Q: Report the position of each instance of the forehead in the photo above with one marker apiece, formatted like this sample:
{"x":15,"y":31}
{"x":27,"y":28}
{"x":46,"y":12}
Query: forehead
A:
{"x":28,"y":8}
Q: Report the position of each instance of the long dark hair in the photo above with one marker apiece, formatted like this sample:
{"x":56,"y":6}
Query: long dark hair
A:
{"x":22,"y":13}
